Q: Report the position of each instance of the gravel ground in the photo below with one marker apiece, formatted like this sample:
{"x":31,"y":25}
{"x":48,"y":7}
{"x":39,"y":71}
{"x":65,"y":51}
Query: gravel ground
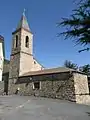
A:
{"x":32,"y":108}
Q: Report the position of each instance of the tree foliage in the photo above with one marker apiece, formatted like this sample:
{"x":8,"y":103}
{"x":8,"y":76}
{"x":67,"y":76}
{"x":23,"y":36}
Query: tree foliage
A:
{"x":78,"y":25}
{"x":85,"y":69}
{"x":71,"y":65}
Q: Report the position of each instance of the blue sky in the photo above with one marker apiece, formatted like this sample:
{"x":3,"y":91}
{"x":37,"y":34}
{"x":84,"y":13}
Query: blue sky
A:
{"x":42,"y":16}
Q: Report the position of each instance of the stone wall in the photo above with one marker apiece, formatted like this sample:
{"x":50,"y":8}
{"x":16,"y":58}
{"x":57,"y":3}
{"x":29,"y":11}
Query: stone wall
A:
{"x":58,"y":89}
{"x":12,"y":87}
{"x":13,"y":70}
{"x":59,"y":86}
{"x":1,"y":60}
{"x":65,"y":86}
{"x":14,"y":48}
{"x":81,"y":88}
{"x":14,"y":66}
{"x":1,"y":87}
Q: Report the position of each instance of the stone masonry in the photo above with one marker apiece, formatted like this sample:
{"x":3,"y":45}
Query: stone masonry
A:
{"x":81,"y":88}
{"x":60,"y":86}
{"x":65,"y":86}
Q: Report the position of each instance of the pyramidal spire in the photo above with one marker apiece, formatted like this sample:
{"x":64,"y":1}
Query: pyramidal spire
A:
{"x":23,"y":22}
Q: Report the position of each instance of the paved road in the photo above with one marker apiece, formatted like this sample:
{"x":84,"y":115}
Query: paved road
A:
{"x":31,"y":108}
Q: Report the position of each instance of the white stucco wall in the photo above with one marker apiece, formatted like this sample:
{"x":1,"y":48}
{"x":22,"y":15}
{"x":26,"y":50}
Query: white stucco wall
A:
{"x":1,"y":61}
{"x":36,"y":66}
{"x":26,"y":63}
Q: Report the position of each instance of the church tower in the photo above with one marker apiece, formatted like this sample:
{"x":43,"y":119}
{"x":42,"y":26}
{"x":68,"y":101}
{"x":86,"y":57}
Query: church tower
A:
{"x":21,"y":59}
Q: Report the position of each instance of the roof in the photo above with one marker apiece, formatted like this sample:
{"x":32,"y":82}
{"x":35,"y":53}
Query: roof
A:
{"x":2,"y":41}
{"x":23,"y":23}
{"x":49,"y":71}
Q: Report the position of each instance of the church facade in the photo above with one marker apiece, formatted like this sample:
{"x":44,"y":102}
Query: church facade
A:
{"x":31,"y":78}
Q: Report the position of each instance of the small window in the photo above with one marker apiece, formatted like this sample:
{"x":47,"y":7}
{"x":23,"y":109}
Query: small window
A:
{"x":16,"y":45}
{"x":27,"y":42}
{"x":34,"y":62}
{"x":37,"y":85}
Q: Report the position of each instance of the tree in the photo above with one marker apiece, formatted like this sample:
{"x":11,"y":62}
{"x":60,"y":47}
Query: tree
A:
{"x":71,"y":65}
{"x":85,"y":69}
{"x":78,"y":25}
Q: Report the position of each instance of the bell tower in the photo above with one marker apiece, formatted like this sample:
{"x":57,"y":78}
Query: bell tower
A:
{"x":21,"y":58}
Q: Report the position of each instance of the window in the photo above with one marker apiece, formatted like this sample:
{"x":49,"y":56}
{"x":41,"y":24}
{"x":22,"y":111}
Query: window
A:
{"x":37,"y":85}
{"x":27,"y":42}
{"x":16,"y":44}
{"x":34,"y":62}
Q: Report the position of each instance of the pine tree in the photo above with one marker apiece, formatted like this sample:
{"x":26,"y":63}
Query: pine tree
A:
{"x":78,"y":25}
{"x":71,"y":65}
{"x":85,"y":69}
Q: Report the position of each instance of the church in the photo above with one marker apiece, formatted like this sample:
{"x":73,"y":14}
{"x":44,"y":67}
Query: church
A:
{"x":23,"y":71}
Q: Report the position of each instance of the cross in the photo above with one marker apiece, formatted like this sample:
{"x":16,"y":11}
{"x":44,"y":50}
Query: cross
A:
{"x":24,"y":11}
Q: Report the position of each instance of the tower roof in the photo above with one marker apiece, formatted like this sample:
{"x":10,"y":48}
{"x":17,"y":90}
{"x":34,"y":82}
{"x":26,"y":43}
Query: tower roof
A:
{"x":23,"y":23}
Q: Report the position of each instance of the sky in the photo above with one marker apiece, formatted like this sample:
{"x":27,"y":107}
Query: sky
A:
{"x":43,"y":16}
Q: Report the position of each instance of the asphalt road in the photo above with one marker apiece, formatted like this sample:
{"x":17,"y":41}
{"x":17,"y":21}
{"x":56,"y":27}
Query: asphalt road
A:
{"x":31,"y":108}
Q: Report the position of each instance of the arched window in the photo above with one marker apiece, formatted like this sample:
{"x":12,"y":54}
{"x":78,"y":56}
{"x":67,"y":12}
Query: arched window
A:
{"x":27,"y":42}
{"x":16,"y":44}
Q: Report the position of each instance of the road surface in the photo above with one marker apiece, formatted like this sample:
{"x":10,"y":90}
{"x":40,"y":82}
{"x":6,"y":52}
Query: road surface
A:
{"x":31,"y":108}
